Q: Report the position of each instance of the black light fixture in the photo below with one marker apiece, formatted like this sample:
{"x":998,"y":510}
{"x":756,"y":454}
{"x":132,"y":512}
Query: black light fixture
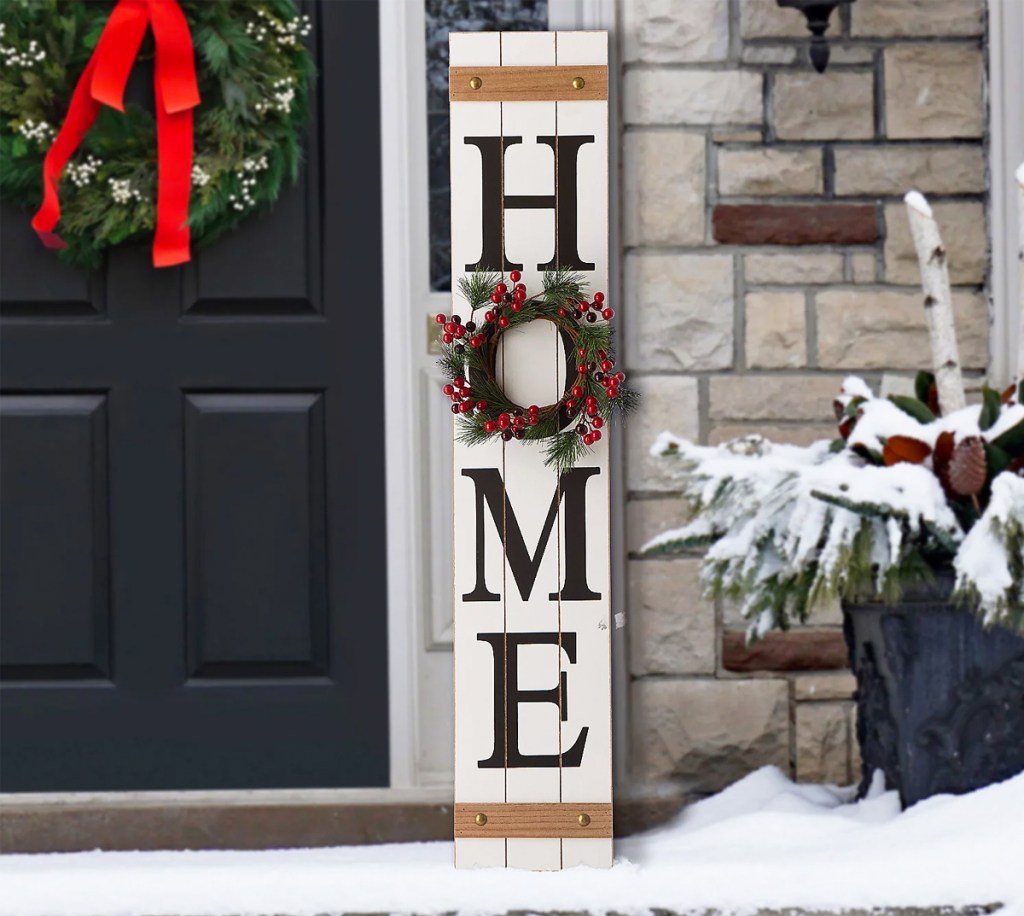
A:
{"x":817,"y":13}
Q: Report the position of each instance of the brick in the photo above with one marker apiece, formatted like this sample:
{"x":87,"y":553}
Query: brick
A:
{"x":736,"y":135}
{"x":822,"y":732}
{"x":774,"y":397}
{"x":793,"y":269}
{"x":835,"y":105}
{"x":925,"y":18}
{"x":885,"y":329}
{"x":647,"y":517}
{"x":795,"y":650}
{"x":934,"y":90}
{"x":792,"y":434}
{"x":898,"y":169}
{"x":824,"y":687}
{"x":665,"y":31}
{"x":964,"y":233}
{"x":864,"y":267}
{"x":764,"y":19}
{"x":692,"y":97}
{"x":776,"y":330}
{"x":666,"y":403}
{"x":769,"y":54}
{"x":795,"y":224}
{"x":680,"y":311}
{"x":709,"y":733}
{"x":769,"y":171}
{"x":671,"y":624}
{"x":663,"y":182}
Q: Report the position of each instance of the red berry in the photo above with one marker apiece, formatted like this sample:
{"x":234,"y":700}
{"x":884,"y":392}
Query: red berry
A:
{"x":439,"y":318}
{"x":459,"y":382}
{"x":577,"y":392}
{"x":501,"y":289}
{"x":517,"y":306}
{"x":520,"y":295}
{"x":569,"y":404}
{"x":607,"y":365}
{"x":488,"y":316}
{"x":460,"y":331}
{"x":532,"y":419}
{"x":588,"y":439}
{"x":592,"y":410}
{"x":449,"y":327}
{"x":563,"y":313}
{"x":596,"y":434}
{"x":581,"y":369}
{"x":447,"y":338}
{"x":620,"y":376}
{"x":481,"y":405}
{"x":490,"y":426}
{"x":608,"y":314}
{"x":599,"y":297}
{"x":448,"y":389}
{"x":465,"y":407}
{"x":597,"y":422}
{"x":475,"y":342}
{"x":514,"y":276}
{"x":602,"y":355}
{"x":582,"y":352}
{"x":503,"y":322}
{"x":591,"y":400}
{"x":495,"y":298}
{"x":518,"y":423}
{"x":613,"y":392}
{"x":533,"y":408}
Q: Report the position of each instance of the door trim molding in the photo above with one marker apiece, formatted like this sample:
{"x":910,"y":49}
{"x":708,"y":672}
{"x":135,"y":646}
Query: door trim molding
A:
{"x":402,"y":59}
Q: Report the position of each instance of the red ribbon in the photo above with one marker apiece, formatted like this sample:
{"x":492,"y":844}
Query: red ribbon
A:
{"x":177,"y":93}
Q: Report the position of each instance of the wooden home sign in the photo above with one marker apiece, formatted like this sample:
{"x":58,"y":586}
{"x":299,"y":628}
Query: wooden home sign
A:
{"x":533,"y":751}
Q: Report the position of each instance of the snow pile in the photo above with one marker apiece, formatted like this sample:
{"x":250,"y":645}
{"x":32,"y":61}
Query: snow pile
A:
{"x":790,"y":528}
{"x":763,"y":842}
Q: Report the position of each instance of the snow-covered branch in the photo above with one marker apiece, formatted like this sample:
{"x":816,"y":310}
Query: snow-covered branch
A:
{"x":938,"y":302}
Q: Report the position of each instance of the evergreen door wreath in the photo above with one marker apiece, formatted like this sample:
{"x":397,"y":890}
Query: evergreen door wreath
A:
{"x":252,"y":71}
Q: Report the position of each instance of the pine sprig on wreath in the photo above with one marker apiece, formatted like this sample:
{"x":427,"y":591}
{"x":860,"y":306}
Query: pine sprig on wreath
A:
{"x":596,"y":393}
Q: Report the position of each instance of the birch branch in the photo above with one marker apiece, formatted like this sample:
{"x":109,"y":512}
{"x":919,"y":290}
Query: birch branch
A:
{"x":938,"y":302}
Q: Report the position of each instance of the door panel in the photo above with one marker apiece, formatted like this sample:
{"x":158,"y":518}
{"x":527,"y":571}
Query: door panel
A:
{"x":193,"y":490}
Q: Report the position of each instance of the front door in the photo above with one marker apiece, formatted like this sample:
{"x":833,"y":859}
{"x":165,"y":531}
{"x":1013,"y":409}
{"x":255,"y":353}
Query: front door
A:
{"x":193,"y":557}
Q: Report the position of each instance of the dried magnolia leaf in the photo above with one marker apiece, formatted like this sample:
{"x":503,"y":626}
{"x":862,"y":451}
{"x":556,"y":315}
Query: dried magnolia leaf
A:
{"x":1009,"y":396}
{"x":968,"y":467}
{"x":906,"y":449}
{"x":941,"y":457}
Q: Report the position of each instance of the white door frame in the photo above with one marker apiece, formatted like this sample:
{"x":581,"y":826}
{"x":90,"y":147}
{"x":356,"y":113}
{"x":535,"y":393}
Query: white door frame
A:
{"x":1006,"y":152}
{"x":406,"y":291}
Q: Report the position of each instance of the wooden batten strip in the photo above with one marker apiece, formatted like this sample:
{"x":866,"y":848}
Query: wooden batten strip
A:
{"x":528,"y":84}
{"x":528,"y":819}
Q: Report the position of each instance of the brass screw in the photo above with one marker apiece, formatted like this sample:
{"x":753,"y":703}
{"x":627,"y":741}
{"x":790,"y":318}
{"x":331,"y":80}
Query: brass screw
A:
{"x":475,"y":83}
{"x":579,"y":83}
{"x":583,"y":820}
{"x":481,"y":818}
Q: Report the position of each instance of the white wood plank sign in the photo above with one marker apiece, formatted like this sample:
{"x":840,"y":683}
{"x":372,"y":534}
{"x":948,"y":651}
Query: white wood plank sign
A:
{"x":533,"y":751}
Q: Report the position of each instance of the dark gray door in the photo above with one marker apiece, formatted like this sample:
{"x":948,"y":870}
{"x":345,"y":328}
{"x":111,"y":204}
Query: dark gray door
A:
{"x":193,"y":557}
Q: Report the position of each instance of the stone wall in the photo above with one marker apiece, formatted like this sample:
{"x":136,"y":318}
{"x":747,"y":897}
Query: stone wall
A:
{"x":766,"y":256}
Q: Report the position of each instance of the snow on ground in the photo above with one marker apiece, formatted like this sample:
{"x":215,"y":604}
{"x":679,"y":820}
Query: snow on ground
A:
{"x":762,"y":842}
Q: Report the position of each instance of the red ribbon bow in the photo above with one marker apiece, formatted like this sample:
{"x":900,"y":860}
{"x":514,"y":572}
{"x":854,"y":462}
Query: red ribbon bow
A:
{"x":177,"y":93}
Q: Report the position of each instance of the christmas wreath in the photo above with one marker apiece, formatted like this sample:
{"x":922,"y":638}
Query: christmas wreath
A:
{"x":252,"y":73}
{"x":594,"y":391}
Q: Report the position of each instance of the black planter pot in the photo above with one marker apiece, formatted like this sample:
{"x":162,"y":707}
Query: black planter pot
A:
{"x":940,"y":699}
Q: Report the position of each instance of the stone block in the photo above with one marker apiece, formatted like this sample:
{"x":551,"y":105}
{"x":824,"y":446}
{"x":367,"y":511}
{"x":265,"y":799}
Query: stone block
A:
{"x":795,"y":224}
{"x":707,"y":734}
{"x":835,"y":105}
{"x":647,"y":517}
{"x":964,"y":233}
{"x":776,"y":330}
{"x":934,"y":90}
{"x":680,"y":311}
{"x":790,"y":434}
{"x":774,"y":397}
{"x":823,"y":743}
{"x":894,"y":170}
{"x":663,"y":183}
{"x":885,"y":329}
{"x":665,"y":31}
{"x":668,"y":402}
{"x":696,"y":97}
{"x":782,"y":172}
{"x":736,"y":135}
{"x":864,"y":267}
{"x":769,"y":54}
{"x":925,"y":18}
{"x":671,"y":625}
{"x":793,"y":269}
{"x":764,"y":19}
{"x":824,"y":686}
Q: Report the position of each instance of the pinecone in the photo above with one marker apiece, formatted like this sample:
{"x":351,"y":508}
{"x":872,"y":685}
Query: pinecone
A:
{"x":968,"y":468}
